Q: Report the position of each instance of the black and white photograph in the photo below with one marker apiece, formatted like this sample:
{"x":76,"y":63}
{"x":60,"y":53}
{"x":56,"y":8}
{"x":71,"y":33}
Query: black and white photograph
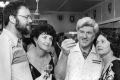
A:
{"x":59,"y":39}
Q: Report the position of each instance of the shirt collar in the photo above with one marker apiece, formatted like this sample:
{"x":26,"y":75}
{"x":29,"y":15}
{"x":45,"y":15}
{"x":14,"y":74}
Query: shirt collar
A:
{"x":93,"y":49}
{"x":12,"y":37}
{"x":77,"y":48}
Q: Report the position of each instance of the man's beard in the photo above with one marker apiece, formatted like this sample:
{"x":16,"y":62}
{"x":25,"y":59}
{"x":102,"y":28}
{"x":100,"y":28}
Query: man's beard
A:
{"x":22,"y":29}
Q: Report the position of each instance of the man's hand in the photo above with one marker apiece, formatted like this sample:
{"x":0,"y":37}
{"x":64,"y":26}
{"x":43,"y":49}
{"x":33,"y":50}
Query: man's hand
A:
{"x":66,"y":45}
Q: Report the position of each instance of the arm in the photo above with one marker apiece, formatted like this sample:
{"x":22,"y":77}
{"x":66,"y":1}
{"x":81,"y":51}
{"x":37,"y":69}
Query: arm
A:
{"x":5,"y":60}
{"x":60,"y":69}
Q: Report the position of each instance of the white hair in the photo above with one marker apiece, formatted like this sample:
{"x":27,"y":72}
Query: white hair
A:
{"x":89,"y":22}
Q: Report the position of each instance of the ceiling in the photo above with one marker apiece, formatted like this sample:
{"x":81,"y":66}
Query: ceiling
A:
{"x":62,"y":5}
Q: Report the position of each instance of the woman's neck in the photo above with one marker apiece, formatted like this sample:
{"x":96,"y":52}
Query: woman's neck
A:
{"x":108,"y":58}
{"x":39,"y":52}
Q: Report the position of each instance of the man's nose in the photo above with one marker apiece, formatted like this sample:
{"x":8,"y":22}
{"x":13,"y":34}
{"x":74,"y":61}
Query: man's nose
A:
{"x":85,"y":35}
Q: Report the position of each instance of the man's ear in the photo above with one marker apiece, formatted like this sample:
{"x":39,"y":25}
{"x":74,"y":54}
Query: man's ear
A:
{"x":12,"y":19}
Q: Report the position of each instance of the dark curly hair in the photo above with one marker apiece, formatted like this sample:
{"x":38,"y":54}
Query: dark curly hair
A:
{"x":112,"y":37}
{"x":42,"y":28}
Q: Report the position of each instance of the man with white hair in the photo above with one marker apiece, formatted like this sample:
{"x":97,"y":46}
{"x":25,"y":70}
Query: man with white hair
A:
{"x":79,"y":61}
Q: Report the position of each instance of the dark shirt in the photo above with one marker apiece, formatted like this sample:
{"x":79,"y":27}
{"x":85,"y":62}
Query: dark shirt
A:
{"x":35,"y":73}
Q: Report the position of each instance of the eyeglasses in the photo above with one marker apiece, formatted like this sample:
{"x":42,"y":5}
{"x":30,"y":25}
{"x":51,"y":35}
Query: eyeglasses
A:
{"x":27,"y":17}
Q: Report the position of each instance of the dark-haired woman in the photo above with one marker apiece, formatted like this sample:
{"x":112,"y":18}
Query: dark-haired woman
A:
{"x":40,"y":56}
{"x":107,"y":47}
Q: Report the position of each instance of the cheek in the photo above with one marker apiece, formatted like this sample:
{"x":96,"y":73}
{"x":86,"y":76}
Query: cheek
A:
{"x":23,"y":22}
{"x":78,"y":36}
{"x":105,"y":51}
{"x":92,"y":37}
{"x":106,"y":48}
{"x":50,"y":43}
{"x":39,"y":41}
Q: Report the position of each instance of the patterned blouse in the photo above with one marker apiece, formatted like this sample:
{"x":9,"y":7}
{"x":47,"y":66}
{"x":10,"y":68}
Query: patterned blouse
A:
{"x":36,"y":73}
{"x":112,"y":72}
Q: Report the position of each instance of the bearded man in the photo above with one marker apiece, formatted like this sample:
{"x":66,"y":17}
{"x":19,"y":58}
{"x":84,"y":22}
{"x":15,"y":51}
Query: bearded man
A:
{"x":13,"y":60}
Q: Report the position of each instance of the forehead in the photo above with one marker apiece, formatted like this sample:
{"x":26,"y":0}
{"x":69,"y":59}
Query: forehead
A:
{"x":45,"y":34}
{"x":87,"y":28}
{"x":23,"y":11}
{"x":101,"y":37}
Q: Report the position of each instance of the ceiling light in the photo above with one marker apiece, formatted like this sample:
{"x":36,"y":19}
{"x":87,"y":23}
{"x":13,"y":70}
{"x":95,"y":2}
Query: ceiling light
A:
{"x":3,"y":4}
{"x":37,"y":8}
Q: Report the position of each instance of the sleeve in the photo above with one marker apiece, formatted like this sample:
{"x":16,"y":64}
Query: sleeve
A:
{"x":5,"y":61}
{"x":116,"y":69}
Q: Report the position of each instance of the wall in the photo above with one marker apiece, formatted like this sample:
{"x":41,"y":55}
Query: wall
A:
{"x":63,"y":25}
{"x":105,"y":12}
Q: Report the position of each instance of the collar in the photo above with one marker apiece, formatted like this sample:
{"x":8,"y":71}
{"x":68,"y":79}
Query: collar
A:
{"x":93,"y":49}
{"x":12,"y":37}
{"x":77,"y":48}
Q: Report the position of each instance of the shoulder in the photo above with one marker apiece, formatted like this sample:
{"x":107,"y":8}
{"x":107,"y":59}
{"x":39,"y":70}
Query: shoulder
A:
{"x":116,"y":61}
{"x":30,"y":55}
{"x":3,"y":37}
{"x":4,"y":40}
{"x":116,"y":68}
